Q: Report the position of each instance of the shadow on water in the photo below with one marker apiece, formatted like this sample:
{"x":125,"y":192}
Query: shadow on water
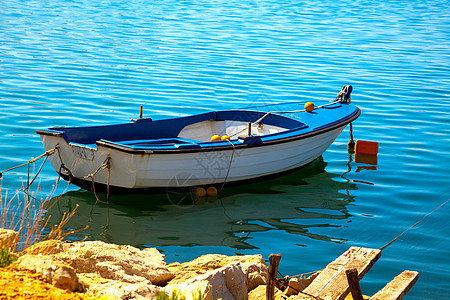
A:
{"x":294,"y":204}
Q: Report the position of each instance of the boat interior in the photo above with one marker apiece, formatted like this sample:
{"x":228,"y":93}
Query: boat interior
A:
{"x":203,"y":131}
{"x":180,"y":132}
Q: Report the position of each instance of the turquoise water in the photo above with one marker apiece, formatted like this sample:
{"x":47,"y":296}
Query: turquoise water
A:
{"x":95,"y":62}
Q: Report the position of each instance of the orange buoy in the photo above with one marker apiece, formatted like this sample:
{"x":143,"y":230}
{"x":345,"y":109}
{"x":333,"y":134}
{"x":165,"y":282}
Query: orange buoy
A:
{"x":225,"y":137}
{"x":200,"y":192}
{"x":211,"y":192}
{"x":215,"y":138}
{"x":309,"y":106}
{"x":366,"y":147}
{"x":366,"y":159}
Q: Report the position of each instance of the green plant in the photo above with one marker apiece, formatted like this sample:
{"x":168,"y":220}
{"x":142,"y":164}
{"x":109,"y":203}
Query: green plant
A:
{"x":177,"y":296}
{"x":6,"y":257}
{"x":198,"y":296}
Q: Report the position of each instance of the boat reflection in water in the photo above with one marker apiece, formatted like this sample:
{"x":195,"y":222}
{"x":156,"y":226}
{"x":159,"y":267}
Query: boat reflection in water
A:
{"x":294,"y":204}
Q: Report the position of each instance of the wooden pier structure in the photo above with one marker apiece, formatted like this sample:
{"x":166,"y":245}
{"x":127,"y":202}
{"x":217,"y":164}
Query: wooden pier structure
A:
{"x":341,"y":277}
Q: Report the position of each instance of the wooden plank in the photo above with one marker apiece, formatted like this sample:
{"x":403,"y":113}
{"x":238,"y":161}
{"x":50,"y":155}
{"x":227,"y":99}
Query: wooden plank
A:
{"x":332,"y":283}
{"x":397,"y":288}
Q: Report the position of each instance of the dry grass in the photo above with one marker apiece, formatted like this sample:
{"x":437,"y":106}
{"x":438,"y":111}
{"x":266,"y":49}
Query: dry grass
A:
{"x":24,"y":212}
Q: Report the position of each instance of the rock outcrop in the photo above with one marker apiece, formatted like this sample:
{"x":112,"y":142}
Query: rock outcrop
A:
{"x":123,"y":272}
{"x":226,"y":283}
{"x":99,"y":286}
{"x":51,"y":270}
{"x":8,"y":238}
{"x":48,"y":247}
{"x":253,"y":266}
{"x":190,"y":290}
{"x":259,"y":293}
{"x":123,"y":263}
{"x":297,"y":285}
{"x":126,"y":272}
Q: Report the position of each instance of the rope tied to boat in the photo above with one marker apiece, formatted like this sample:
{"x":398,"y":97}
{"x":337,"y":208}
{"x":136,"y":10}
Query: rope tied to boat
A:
{"x":229,"y":165}
{"x":286,"y":279}
{"x":105,"y":165}
{"x":342,"y":97}
{"x":62,"y":167}
{"x":258,"y":122}
{"x":46,"y":154}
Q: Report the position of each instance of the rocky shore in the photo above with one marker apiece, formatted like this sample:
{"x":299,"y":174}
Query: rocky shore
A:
{"x":94,"y":269}
{"x":53,"y":269}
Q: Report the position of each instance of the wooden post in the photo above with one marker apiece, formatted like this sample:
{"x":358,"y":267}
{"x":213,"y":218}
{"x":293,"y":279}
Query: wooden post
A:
{"x":141,"y":111}
{"x":353,"y":283}
{"x":274,"y":261}
{"x":249,"y":128}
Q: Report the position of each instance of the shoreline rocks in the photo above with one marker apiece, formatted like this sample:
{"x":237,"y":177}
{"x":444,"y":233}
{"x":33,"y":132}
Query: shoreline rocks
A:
{"x":125,"y":272}
{"x":99,"y":269}
{"x":8,"y":238}
{"x":253,"y":266}
{"x":226,"y":283}
{"x":122,"y":263}
{"x":51,"y":270}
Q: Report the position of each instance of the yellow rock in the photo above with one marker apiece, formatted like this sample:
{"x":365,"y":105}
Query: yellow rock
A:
{"x":349,"y":297}
{"x":45,"y":248}
{"x":260,"y":293}
{"x":253,"y":266}
{"x":8,"y":238}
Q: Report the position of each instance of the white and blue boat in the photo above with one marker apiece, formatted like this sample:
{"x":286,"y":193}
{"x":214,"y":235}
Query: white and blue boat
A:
{"x":264,"y":141}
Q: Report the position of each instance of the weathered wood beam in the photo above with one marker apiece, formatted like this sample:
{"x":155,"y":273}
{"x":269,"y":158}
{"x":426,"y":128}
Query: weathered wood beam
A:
{"x":274,"y":261}
{"x":353,"y":283}
{"x":397,"y":288}
{"x":332,"y":282}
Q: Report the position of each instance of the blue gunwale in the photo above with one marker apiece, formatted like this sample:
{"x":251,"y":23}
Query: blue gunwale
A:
{"x":160,"y":136}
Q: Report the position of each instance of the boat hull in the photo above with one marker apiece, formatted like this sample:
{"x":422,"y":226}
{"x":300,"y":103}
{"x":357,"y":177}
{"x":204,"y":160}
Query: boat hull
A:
{"x":178,"y":170}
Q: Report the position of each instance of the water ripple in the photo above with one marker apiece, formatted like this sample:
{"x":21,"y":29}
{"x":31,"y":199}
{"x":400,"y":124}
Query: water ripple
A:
{"x":78,"y":63}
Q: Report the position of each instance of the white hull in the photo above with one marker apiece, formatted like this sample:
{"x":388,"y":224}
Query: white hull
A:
{"x":176,"y":170}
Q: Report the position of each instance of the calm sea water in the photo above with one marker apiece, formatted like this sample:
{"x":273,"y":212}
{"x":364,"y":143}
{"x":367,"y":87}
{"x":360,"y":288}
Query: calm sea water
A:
{"x":95,"y":62}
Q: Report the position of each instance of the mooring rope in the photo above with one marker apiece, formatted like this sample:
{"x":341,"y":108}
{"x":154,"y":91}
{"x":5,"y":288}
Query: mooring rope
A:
{"x":229,"y":165}
{"x":36,"y":175}
{"x":415,"y":224}
{"x":342,"y":97}
{"x":46,"y":154}
{"x":105,"y":165}
{"x":286,"y":282}
{"x":304,"y":274}
{"x":33,"y":160}
{"x":283,"y":112}
{"x":62,"y":166}
{"x":381,"y":248}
